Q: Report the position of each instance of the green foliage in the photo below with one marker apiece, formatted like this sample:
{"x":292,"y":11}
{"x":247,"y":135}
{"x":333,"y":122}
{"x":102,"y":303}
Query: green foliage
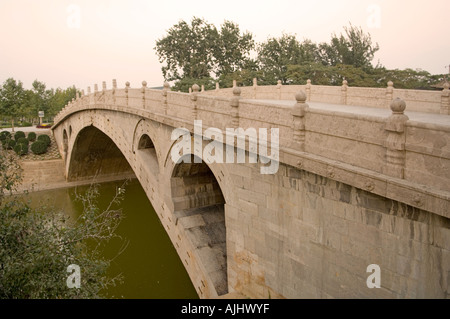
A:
{"x":9,"y":144}
{"x":354,"y":48}
{"x":183,"y":85}
{"x":23,"y":140}
{"x":19,"y":134}
{"x":31,"y":137}
{"x":21,"y":148}
{"x":4,"y":135}
{"x":37,"y":246}
{"x":39,"y":147}
{"x":12,"y":99}
{"x":44,"y":138}
{"x":17,"y":102}
{"x":198,"y":49}
{"x":276,"y":54}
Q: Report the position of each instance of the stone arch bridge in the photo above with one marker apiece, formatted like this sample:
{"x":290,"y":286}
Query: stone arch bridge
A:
{"x":359,"y":181}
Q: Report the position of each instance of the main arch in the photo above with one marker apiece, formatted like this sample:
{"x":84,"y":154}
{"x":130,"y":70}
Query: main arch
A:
{"x":101,"y":150}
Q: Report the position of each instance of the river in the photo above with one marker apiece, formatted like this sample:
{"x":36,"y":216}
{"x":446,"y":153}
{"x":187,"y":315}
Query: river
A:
{"x":150,"y":264}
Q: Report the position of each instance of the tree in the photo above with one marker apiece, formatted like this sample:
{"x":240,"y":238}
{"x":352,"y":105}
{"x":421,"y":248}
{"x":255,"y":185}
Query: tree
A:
{"x":36,"y":247}
{"x":276,"y":54}
{"x":354,"y":48}
{"x":199,"y":51}
{"x":12,"y":97}
{"x":40,"y":98}
{"x":232,"y":50}
{"x":187,"y":50}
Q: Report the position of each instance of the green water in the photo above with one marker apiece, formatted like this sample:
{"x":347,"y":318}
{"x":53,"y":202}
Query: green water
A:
{"x":150,"y":264}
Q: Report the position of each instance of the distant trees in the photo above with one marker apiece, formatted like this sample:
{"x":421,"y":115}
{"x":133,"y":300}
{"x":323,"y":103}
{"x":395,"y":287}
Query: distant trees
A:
{"x":19,"y":103}
{"x":200,"y":53}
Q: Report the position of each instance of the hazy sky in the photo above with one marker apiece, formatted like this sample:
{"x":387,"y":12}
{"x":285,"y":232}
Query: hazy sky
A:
{"x":80,"y":42}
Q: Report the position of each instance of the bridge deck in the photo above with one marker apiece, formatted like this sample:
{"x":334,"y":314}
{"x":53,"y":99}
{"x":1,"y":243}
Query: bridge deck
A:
{"x":421,"y":117}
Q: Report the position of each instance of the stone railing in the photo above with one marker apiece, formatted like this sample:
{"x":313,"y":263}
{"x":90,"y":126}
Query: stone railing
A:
{"x":390,"y":155}
{"x":417,"y":100}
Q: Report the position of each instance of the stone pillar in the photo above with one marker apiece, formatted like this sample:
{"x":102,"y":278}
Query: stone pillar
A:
{"x":114,"y":84}
{"x":389,"y":93}
{"x":89,"y":97}
{"x":203,"y":88}
{"x":396,"y":139}
{"x":195,"y":89}
{"x":127,"y":87}
{"x":255,"y":87}
{"x":217,"y":86}
{"x":344,"y":92}
{"x":279,"y":85}
{"x":235,"y":106}
{"x":234,"y":83}
{"x":166,"y":88}
{"x":308,"y":90}
{"x":298,"y":124}
{"x":104,"y":86}
{"x":445,"y":99}
{"x":144,"y":86}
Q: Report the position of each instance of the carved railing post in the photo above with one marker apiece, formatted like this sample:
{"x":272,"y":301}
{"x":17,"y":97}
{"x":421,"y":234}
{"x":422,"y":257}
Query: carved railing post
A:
{"x":114,"y":83}
{"x":144,"y":86}
{"x":166,"y":88}
{"x":279,"y":85}
{"x":95,"y":94}
{"x":445,"y":99}
{"x":235,"y":106}
{"x":344,"y":92}
{"x":194,"y":94}
{"x":389,"y":93}
{"x":396,"y":139}
{"x":103,"y":95}
{"x":234,"y":83}
{"x":298,"y":114}
{"x":255,"y":87}
{"x":308,"y":90}
{"x":217,"y":86}
{"x":203,"y":88}
{"x":127,"y":87}
{"x":89,"y":97}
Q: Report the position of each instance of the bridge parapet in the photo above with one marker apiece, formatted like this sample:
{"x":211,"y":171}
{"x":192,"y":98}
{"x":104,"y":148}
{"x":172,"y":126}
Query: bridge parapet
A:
{"x":417,"y":100}
{"x":384,"y":151}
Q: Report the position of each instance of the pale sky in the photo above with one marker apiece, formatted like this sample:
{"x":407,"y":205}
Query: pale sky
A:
{"x":45,"y":40}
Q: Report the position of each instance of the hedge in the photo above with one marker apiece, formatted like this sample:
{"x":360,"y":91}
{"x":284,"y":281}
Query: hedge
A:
{"x":39,"y":147}
{"x":22,"y":140}
{"x":45,"y":139}
{"x":21,"y":149}
{"x":9,"y":144}
{"x":31,"y":136}
{"x":4,"y":135}
{"x":19,"y":134}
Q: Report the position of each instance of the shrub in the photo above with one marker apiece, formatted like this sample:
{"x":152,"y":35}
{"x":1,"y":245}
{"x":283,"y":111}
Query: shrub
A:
{"x":39,"y":147}
{"x":23,"y":140}
{"x":45,"y":139}
{"x":21,"y":149}
{"x":9,"y":144}
{"x":4,"y":135}
{"x":31,"y":136}
{"x":19,"y":134}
